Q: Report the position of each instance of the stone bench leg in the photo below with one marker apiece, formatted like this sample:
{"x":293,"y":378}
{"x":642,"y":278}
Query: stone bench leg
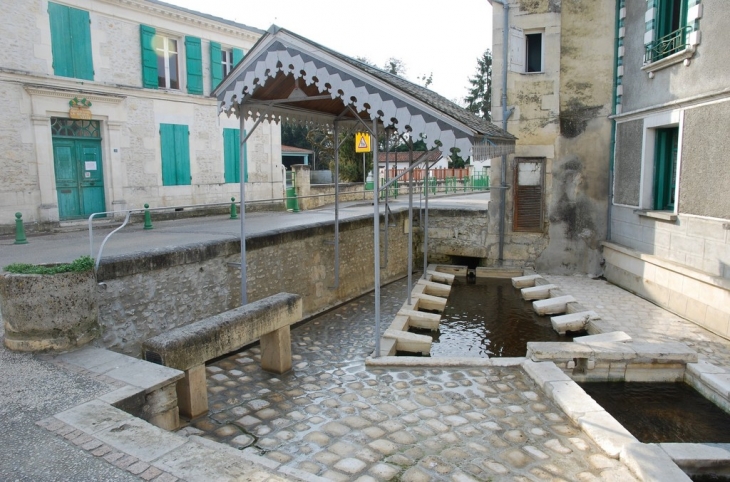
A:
{"x":276,"y":351}
{"x":192,"y":393}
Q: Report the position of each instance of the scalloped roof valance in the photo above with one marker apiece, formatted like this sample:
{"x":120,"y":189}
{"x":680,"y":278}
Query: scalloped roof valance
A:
{"x":288,"y":77}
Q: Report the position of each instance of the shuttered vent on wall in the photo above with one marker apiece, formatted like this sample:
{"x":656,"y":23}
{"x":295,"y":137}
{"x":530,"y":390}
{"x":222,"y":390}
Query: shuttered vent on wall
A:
{"x":528,"y":194}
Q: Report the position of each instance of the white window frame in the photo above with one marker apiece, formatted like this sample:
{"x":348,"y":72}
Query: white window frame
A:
{"x":674,"y":118}
{"x":226,"y":60}
{"x":165,"y":52}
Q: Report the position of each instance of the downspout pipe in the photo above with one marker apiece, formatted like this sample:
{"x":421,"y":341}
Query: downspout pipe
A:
{"x":614,"y":98}
{"x":506,"y":113}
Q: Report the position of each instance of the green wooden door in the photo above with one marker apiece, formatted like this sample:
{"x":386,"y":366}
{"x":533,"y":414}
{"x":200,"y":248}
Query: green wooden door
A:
{"x":79,"y":177}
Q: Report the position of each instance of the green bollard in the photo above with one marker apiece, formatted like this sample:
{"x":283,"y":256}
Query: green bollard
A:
{"x":147,"y":217}
{"x":19,"y":230}
{"x":234,"y":213}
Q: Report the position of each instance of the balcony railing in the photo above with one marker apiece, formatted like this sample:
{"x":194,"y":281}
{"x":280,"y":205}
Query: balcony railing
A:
{"x":667,"y":45}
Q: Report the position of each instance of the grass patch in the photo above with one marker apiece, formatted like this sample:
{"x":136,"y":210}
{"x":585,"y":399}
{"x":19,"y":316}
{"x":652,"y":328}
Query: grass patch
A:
{"x":79,"y":265}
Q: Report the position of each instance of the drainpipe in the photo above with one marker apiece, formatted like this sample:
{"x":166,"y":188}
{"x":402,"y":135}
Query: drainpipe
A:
{"x":506,"y":113}
{"x":612,"y":152}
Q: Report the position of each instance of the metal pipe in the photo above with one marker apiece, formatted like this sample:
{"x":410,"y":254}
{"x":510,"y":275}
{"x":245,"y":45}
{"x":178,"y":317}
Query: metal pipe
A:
{"x":376,"y":241}
{"x":101,"y":248}
{"x":337,"y":205}
{"x":505,"y":115}
{"x":242,"y":193}
{"x":410,"y":223}
{"x":425,"y":223}
{"x":387,"y":217}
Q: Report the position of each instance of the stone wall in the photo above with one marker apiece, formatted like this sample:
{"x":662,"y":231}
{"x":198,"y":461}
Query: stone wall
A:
{"x":144,"y":295}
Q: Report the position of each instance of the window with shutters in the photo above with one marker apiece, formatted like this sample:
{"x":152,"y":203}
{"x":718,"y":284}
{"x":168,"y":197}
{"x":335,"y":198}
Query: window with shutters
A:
{"x":175,"y":153}
{"x":70,"y":42}
{"x":222,"y":61}
{"x":165,"y":49}
{"x":528,"y":194}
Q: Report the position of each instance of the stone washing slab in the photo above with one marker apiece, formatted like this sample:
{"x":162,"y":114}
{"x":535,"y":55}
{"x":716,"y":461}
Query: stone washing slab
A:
{"x":650,"y":463}
{"x":696,"y":456}
{"x":573,"y":321}
{"x":702,"y":367}
{"x":720,"y":382}
{"x":544,"y":372}
{"x":95,"y":360}
{"x":552,"y":306}
{"x":410,"y":342}
{"x":612,"y":336}
{"x":433,"y":288}
{"x":537,"y":292}
{"x":611,"y":351}
{"x":606,"y":431}
{"x":664,"y":352}
{"x":93,"y":416}
{"x":140,"y":439}
{"x":145,"y":375}
{"x":574,"y":401}
{"x":556,"y":350}
{"x":420,"y":319}
{"x":525,"y":281}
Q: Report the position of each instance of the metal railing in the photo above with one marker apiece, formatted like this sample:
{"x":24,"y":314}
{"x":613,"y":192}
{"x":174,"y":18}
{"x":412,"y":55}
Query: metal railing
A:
{"x":668,"y":44}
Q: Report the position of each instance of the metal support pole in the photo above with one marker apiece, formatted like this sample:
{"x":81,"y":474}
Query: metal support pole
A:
{"x":410,"y":223}
{"x":337,"y":205}
{"x":376,"y":239}
{"x":242,"y":193}
{"x":387,"y":217}
{"x":425,"y":223}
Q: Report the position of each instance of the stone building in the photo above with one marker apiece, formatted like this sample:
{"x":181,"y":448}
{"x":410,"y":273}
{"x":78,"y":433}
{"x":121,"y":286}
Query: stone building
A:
{"x":558,"y":64}
{"x":106,"y":106}
{"x":620,"y":168}
{"x":669,"y":238}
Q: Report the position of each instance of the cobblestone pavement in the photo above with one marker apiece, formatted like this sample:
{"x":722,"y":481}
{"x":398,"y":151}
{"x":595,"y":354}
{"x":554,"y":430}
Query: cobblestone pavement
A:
{"x":642,"y":320}
{"x":333,"y":417}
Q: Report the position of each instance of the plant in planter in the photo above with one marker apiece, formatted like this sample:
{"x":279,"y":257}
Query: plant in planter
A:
{"x":49,"y":307}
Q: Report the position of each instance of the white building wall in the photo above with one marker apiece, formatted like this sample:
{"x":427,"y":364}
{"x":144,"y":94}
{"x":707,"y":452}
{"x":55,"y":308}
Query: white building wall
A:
{"x":130,"y":116}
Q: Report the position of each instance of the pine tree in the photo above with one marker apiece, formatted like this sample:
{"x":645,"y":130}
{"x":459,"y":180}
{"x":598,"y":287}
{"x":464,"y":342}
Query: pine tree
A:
{"x":479,"y":99}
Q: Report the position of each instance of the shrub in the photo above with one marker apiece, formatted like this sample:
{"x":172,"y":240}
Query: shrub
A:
{"x":79,"y":265}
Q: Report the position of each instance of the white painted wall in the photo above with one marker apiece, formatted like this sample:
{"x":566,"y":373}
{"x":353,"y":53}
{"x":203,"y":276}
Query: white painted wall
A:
{"x":30,"y":94}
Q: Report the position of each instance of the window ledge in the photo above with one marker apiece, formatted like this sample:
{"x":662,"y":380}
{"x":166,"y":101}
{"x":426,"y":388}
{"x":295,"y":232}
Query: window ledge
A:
{"x":681,"y":56}
{"x":661,"y":215}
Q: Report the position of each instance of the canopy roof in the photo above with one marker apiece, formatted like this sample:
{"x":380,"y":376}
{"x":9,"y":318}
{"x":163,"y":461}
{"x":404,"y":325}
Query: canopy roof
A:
{"x":288,"y":77}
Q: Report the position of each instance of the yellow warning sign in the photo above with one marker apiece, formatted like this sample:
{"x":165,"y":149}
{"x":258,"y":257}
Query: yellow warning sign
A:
{"x":362,"y":142}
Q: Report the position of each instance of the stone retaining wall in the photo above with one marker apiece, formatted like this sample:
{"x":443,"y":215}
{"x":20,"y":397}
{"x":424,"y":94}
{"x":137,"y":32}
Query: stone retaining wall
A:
{"x":143,"y":295}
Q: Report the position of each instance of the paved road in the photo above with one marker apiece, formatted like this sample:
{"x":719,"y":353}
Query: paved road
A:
{"x":67,"y":246}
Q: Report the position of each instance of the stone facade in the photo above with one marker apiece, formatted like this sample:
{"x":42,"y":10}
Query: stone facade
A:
{"x":676,"y":254}
{"x":129,"y":115}
{"x":560,"y":118}
{"x":143,"y":296}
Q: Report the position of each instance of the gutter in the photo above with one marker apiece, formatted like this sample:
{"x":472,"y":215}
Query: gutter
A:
{"x":506,"y":114}
{"x":612,"y":151}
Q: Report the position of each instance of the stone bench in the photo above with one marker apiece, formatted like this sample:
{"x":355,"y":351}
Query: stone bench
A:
{"x":187,"y":348}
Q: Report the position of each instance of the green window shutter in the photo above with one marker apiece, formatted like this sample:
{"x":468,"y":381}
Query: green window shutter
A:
{"x":182,"y":154}
{"x":194,"y":63}
{"x":70,"y":42}
{"x":167,"y":149}
{"x":175,"y":151}
{"x":80,"y":30}
{"x":149,"y":58}
{"x":231,"y":153}
{"x":60,"y":40}
{"x":237,"y":56}
{"x":216,"y":70}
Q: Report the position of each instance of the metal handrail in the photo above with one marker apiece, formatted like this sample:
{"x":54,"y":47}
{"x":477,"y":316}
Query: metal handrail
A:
{"x":668,"y":44}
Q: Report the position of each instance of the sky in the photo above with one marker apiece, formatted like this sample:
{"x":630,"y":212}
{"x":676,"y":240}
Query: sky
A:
{"x":442,"y":38}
